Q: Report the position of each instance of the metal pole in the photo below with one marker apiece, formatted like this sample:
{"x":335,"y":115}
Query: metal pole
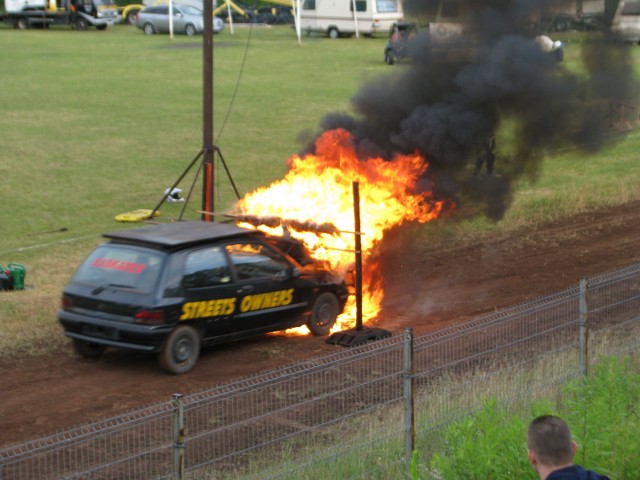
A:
{"x":207,"y":112}
{"x":178,"y":436}
{"x":409,"y":416}
{"x":356,"y":214}
{"x":355,"y":16}
{"x":584,"y":332}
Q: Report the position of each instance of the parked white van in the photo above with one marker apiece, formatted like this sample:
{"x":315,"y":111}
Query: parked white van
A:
{"x":626,"y":22}
{"x":337,"y":18}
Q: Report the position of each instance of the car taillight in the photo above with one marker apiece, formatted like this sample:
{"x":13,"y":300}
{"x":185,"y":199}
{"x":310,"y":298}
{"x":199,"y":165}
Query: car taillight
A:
{"x":67,"y":303}
{"x":149,"y":317}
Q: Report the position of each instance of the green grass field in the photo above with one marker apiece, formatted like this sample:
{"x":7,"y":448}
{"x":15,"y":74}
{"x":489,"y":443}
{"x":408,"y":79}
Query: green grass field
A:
{"x":99,"y":123}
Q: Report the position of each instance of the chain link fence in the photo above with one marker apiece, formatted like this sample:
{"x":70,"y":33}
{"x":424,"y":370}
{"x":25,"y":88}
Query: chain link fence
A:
{"x":394,"y":393}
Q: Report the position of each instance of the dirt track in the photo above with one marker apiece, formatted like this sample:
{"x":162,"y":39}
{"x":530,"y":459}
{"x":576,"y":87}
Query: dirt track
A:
{"x":46,"y":395}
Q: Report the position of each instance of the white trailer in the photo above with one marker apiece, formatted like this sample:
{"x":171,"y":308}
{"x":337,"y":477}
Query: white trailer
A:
{"x":626,"y":22}
{"x":336,"y":18}
{"x":561,"y":15}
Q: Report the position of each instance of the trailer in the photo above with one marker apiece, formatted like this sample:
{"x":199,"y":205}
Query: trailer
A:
{"x":338,"y":18}
{"x":79,"y":14}
{"x":561,"y":15}
{"x":625,"y":25}
{"x":454,"y":36}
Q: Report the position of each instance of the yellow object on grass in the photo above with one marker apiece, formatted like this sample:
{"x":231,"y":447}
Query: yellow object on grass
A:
{"x":136,"y":215}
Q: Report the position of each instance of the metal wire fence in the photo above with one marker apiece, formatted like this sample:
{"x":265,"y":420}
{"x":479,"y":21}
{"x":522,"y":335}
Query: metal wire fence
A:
{"x":288,"y":422}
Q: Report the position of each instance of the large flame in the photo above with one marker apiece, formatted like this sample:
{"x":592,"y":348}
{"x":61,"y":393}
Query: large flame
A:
{"x":319,"y":188}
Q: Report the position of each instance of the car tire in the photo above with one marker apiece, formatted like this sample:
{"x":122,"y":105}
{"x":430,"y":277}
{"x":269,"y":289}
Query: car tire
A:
{"x":148,"y":29}
{"x":324,"y":312}
{"x":88,"y":349}
{"x":333,"y":33}
{"x":388,"y":58}
{"x":81,"y":24}
{"x":561,"y":25}
{"x":190,"y":30}
{"x":181,"y":350}
{"x":22,"y":24}
{"x":132,"y":18}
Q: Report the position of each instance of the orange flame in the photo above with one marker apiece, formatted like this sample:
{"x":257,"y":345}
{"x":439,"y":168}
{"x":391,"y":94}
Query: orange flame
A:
{"x":320,"y":188}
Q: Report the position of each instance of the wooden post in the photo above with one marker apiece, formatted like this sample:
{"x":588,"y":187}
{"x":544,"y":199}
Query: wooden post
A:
{"x":207,"y":114}
{"x":358,"y":252}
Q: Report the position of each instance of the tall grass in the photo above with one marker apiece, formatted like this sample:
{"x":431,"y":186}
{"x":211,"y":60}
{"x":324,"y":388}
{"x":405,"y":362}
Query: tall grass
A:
{"x":99,"y":123}
{"x":601,"y":411}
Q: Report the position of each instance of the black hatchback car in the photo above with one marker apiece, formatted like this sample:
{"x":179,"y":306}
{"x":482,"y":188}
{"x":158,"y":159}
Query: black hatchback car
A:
{"x":401,"y":35}
{"x":170,"y":289}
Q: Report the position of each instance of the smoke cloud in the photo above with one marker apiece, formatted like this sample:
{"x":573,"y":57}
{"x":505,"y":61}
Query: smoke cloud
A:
{"x":447,"y":109}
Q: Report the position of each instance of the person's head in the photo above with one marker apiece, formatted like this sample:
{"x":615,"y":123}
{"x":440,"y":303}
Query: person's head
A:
{"x":549,"y":443}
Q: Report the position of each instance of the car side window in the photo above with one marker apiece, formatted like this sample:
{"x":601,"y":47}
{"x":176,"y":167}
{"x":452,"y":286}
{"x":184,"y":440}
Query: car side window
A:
{"x":206,"y":267}
{"x":255,"y":260}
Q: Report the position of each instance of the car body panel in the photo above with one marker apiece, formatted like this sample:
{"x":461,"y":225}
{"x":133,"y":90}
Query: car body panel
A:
{"x":225,"y":281}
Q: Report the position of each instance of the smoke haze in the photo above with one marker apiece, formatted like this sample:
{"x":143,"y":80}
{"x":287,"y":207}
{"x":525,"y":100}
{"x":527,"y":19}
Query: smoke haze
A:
{"x":446,"y":110}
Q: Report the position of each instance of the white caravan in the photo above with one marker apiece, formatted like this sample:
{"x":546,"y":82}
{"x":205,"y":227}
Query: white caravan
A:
{"x":337,"y":18}
{"x":626,"y":22}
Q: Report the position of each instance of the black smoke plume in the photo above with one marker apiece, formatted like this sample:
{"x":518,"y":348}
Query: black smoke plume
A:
{"x":447,"y":109}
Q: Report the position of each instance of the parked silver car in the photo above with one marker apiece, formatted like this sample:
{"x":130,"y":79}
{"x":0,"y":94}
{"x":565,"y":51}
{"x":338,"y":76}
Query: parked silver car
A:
{"x":186,"y":19}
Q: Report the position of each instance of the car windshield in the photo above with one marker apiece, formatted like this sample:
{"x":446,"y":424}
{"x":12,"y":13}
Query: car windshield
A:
{"x":189,"y":10}
{"x":120,"y":266}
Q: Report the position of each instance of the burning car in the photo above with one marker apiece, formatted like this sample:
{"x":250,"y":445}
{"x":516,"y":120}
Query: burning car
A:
{"x":170,"y":289}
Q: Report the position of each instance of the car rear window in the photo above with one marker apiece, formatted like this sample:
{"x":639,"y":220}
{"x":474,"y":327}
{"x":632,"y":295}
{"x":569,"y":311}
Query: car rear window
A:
{"x":121,"y":266}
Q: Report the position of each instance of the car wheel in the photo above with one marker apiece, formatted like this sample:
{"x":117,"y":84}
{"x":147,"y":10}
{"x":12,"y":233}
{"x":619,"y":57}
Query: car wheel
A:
{"x":333,"y":33}
{"x":323,"y":314}
{"x":388,"y":57}
{"x":148,"y":29}
{"x":22,"y":24}
{"x":190,"y":30}
{"x":132,"y":18}
{"x":181,"y":350}
{"x":81,"y":23}
{"x":88,"y":349}
{"x":561,"y":25}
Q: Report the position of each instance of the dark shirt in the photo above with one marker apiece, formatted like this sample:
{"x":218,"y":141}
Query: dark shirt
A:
{"x":575,"y":472}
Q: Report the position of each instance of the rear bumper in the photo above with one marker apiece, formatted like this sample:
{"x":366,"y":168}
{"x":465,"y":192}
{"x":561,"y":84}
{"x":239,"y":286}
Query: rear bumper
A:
{"x":115,"y":334}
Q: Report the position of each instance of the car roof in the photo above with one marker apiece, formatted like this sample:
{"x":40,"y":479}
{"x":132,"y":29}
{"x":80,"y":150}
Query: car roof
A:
{"x":177,"y":235}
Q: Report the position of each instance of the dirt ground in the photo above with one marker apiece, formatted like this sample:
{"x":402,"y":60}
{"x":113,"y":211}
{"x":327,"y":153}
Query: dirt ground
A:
{"x":46,"y":395}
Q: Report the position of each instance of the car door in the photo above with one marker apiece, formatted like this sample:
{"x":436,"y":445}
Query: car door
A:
{"x":266,"y":287}
{"x":210,"y":293}
{"x":179,"y":22}
{"x":161,"y":19}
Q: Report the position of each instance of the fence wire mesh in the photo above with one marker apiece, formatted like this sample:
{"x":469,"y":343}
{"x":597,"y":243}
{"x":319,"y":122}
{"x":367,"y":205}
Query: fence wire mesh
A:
{"x":303,"y":417}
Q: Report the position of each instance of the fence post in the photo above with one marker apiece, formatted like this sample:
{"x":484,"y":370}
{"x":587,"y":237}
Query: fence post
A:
{"x":409,"y":417}
{"x":178,"y":436}
{"x":584,"y":331}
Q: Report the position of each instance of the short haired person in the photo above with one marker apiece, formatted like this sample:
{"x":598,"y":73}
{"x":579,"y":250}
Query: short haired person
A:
{"x":551,"y":450}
